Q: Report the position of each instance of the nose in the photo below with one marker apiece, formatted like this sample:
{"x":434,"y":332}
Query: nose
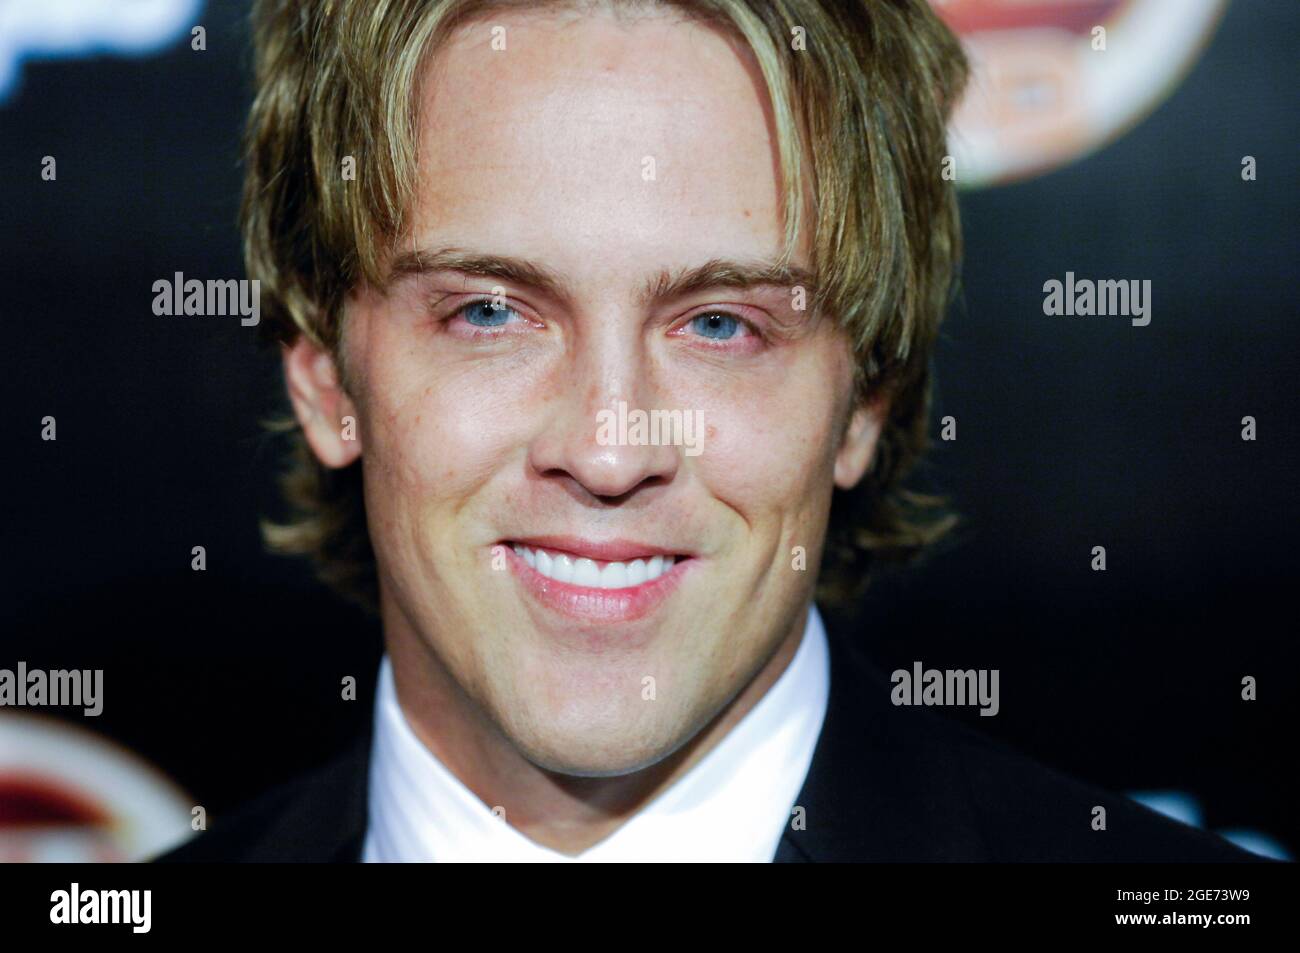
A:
{"x":587,"y":444}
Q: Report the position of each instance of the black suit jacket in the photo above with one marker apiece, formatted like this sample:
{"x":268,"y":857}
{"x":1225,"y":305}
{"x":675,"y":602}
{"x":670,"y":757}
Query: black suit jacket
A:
{"x":886,"y":783}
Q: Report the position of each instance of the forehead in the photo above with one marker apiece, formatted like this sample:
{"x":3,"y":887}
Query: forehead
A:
{"x":605,"y":146}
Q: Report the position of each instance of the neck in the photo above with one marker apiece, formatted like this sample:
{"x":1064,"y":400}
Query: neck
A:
{"x":565,"y":813}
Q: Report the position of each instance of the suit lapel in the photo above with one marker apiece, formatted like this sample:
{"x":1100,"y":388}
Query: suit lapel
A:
{"x":886,"y":783}
{"x":326,"y":821}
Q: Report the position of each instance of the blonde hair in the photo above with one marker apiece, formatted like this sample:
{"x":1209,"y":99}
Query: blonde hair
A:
{"x":860,"y":112}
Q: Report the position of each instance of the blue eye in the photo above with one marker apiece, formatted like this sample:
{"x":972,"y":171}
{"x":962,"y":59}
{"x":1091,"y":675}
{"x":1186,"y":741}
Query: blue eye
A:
{"x":483,"y":314}
{"x":715,"y":325}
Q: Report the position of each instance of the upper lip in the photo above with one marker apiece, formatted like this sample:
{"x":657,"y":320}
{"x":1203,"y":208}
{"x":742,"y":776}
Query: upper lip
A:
{"x":609,"y":550}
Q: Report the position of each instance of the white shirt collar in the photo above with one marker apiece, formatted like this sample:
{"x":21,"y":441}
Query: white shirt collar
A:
{"x":733,"y":805}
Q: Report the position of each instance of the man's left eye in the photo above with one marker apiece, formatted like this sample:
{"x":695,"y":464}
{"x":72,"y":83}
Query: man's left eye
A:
{"x":717,"y":325}
{"x":485,"y":314}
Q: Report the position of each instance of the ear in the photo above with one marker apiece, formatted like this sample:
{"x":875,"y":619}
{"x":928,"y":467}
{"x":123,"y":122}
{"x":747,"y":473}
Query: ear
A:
{"x":321,"y":404}
{"x":859,"y":442}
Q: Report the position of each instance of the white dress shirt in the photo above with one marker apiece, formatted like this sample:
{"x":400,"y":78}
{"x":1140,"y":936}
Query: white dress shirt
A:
{"x":733,"y":805}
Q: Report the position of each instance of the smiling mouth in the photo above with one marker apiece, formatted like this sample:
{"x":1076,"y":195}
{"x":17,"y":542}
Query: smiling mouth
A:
{"x":574,"y":570}
{"x":609,"y":582}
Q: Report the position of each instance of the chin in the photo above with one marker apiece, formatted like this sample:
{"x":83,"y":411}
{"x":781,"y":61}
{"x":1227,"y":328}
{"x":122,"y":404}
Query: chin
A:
{"x":598,"y":750}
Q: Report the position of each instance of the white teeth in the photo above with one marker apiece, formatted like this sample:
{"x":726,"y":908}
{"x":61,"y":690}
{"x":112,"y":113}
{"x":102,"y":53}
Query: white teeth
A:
{"x":613,"y":576}
{"x":635,"y":572}
{"x":585,"y":572}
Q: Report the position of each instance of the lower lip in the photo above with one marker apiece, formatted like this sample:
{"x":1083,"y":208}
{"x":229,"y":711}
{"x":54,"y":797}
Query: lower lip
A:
{"x":592,"y":604}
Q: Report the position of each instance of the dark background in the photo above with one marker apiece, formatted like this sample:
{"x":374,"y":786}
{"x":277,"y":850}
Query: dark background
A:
{"x":1072,"y":432}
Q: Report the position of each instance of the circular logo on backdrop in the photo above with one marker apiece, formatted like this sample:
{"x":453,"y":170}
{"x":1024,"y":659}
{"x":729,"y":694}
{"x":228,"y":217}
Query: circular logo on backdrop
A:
{"x":1052,"y":80}
{"x":68,"y":795}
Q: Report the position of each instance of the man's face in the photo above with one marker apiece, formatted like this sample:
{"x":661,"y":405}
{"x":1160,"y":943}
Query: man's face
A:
{"x":607,"y":153}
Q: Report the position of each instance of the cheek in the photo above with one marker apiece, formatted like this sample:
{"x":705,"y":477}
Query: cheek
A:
{"x":769,"y":452}
{"x":434,"y":434}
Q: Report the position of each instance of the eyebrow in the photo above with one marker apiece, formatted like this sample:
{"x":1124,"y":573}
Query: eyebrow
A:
{"x":715,"y":273}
